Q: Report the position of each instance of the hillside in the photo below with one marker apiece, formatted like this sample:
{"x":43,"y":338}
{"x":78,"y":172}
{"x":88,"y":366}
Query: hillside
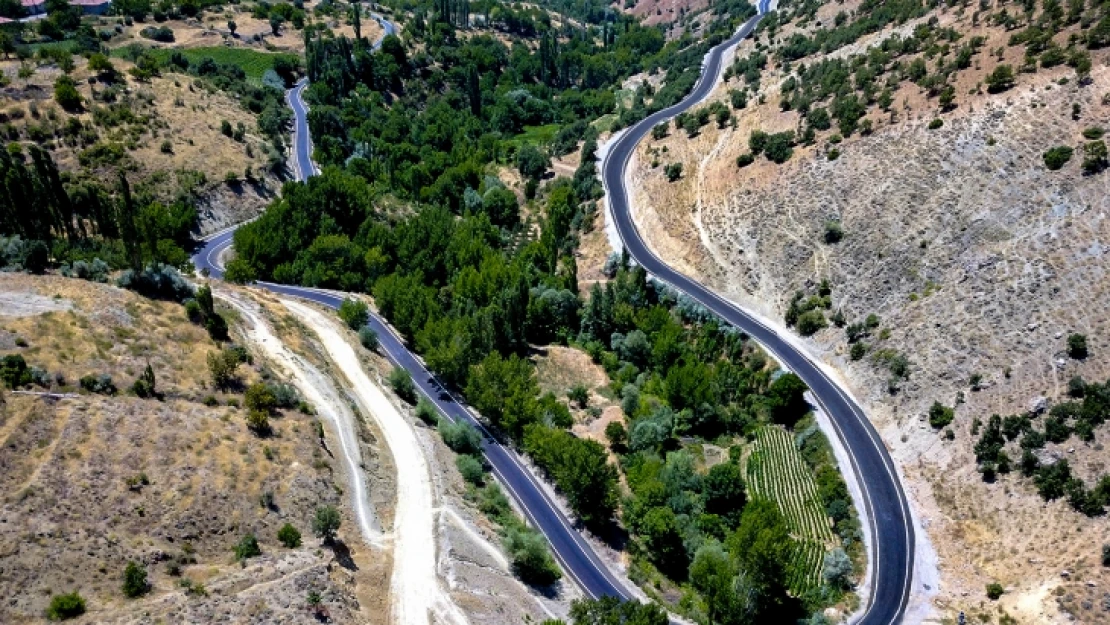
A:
{"x":93,"y":480}
{"x":978,"y":260}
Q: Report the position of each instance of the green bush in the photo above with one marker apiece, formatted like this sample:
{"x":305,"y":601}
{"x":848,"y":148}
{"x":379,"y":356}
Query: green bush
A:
{"x":144,"y":386}
{"x":426,"y":411}
{"x":401,"y":383}
{"x":532,"y":561}
{"x":1057,"y":157}
{"x":673,"y":171}
{"x":745,"y":159}
{"x":940,"y":415}
{"x":936,"y":123}
{"x":461,"y":437}
{"x":134,"y":581}
{"x":1094,"y":157}
{"x":247,"y":547}
{"x":326,"y":523}
{"x":1077,"y":346}
{"x":1001,"y":79}
{"x":471,"y":469}
{"x":617,"y":435}
{"x":14,"y":371}
{"x":100,"y":384}
{"x":67,"y":606}
{"x":66,"y":94}
{"x":779,"y":147}
{"x":810,"y":322}
{"x":289,"y":536}
{"x":580,"y":395}
{"x":834,"y":231}
{"x":369,"y":338}
{"x":994,"y":591}
{"x":355,"y":313}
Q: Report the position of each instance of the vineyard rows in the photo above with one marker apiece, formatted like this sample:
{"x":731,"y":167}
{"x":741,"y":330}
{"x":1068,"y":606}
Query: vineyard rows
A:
{"x":777,"y":472}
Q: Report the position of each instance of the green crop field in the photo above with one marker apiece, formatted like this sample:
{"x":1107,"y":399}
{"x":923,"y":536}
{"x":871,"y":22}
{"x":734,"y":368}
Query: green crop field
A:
{"x":252,"y":62}
{"x":776,"y":471}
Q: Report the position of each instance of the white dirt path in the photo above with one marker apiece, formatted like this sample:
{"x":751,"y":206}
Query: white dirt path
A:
{"x":415,"y":588}
{"x":329,"y":403}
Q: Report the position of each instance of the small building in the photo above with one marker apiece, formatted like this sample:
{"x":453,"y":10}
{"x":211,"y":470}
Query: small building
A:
{"x":92,"y":7}
{"x":88,"y":7}
{"x":34,"y":7}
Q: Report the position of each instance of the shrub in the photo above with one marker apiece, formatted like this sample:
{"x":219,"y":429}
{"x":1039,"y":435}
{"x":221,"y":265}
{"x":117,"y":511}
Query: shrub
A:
{"x":659,"y":131}
{"x":834,"y":231}
{"x":14,"y":371}
{"x":247,"y":547}
{"x":779,"y":147}
{"x":222,"y":366}
{"x":461,"y":437}
{"x":745,"y":159}
{"x":259,"y":421}
{"x":66,"y":94}
{"x":260,"y":397}
{"x":810,"y":322}
{"x":1077,"y":346}
{"x":616,"y":434}
{"x":673,"y":171}
{"x":354,"y":313}
{"x":158,"y":33}
{"x":157,"y":282}
{"x":289,"y":536}
{"x":1106,"y":555}
{"x":368,"y":337}
{"x":1093,"y":133}
{"x":936,"y":123}
{"x":100,"y":384}
{"x":67,"y":606}
{"x":1001,"y":79}
{"x":471,"y":469}
{"x":1094,"y":157}
{"x":1057,"y":157}
{"x":326,"y":523}
{"x":401,"y":382}
{"x":837,"y":569}
{"x":940,"y":415}
{"x":580,"y":395}
{"x":426,"y":412}
{"x":144,"y":386}
{"x":96,"y":271}
{"x":532,"y":562}
{"x":134,"y":581}
{"x":994,"y":591}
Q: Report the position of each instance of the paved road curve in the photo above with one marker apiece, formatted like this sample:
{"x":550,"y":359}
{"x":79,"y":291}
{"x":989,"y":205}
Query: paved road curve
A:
{"x":575,"y":555}
{"x":892,"y":535}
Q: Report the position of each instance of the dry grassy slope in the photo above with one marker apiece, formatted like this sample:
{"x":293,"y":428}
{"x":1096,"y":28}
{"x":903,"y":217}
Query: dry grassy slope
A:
{"x":69,"y":521}
{"x":1015,"y":256}
{"x":180,"y":112}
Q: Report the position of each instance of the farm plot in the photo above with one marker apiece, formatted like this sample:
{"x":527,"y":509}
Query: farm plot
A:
{"x":777,"y":472}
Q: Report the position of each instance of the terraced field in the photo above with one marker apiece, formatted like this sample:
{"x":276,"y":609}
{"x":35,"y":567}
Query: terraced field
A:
{"x":776,"y":471}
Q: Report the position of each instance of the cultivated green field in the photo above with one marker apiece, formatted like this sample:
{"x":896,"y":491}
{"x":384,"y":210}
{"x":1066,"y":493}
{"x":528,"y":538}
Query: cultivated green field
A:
{"x":252,"y":62}
{"x":776,"y":471}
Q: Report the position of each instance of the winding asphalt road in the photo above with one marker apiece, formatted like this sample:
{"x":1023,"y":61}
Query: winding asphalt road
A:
{"x":891,"y":527}
{"x":891,"y":530}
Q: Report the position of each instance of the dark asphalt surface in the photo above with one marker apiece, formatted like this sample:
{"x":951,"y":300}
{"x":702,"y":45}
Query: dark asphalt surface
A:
{"x":577,"y":558}
{"x":892,"y":534}
{"x":891,"y":531}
